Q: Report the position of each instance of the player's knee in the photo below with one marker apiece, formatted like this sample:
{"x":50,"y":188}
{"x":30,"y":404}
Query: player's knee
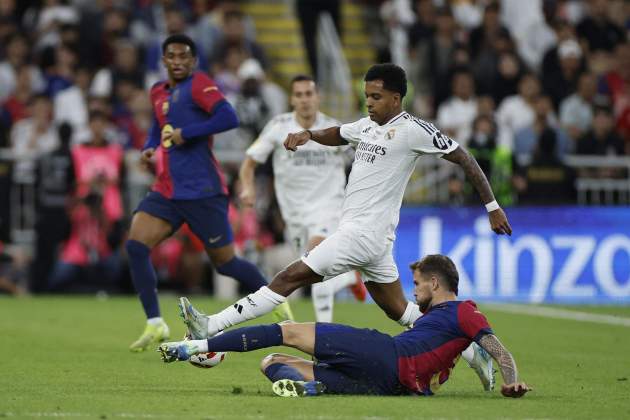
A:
{"x":271,"y":359}
{"x":136,"y":249}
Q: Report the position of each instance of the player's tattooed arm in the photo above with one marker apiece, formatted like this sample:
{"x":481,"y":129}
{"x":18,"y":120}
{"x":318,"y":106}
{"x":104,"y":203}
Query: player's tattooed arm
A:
{"x":511,"y":387}
{"x":498,"y":219}
{"x":504,"y":358}
{"x":328,"y":137}
{"x":473,"y":172}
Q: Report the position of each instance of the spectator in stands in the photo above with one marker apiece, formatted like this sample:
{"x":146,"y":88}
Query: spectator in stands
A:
{"x":561,"y":82}
{"x":54,"y":188}
{"x":485,"y":37}
{"x":88,"y":260}
{"x":226,"y":70}
{"x":547,"y":180}
{"x":17,"y":58}
{"x":539,"y":36}
{"x":597,"y":30}
{"x":15,"y":108}
{"x":576,"y":111}
{"x":59,"y":69}
{"x":235,"y":34}
{"x":125,"y":67}
{"x":71,"y":105}
{"x":495,"y":160}
{"x":36,"y":135}
{"x":602,"y":138}
{"x":99,"y":168}
{"x":517,"y":112}
{"x":455,"y":116}
{"x":526,"y":139}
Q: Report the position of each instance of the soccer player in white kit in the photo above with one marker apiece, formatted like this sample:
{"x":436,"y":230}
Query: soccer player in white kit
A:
{"x":309,"y":183}
{"x":387,"y":145}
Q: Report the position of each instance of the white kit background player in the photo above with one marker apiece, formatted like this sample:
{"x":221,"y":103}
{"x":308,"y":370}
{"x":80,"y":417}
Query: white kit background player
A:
{"x":387,"y":144}
{"x":309,"y":183}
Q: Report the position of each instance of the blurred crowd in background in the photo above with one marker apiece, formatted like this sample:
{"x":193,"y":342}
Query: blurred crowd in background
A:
{"x":522,"y":84}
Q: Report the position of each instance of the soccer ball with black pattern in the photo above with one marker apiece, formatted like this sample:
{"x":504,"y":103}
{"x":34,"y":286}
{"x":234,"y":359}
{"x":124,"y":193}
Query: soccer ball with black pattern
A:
{"x":206,"y":360}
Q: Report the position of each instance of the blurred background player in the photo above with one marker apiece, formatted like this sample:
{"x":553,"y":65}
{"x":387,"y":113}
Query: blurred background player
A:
{"x":309,"y":185}
{"x":188,"y":109}
{"x":416,"y":362}
{"x":387,"y":144}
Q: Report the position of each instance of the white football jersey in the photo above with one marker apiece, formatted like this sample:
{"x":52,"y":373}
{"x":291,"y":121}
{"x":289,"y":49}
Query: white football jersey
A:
{"x":384,"y":159}
{"x":309,"y":182}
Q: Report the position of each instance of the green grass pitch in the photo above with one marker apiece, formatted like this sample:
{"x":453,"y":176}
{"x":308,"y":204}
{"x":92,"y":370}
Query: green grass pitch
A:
{"x":67,"y":357}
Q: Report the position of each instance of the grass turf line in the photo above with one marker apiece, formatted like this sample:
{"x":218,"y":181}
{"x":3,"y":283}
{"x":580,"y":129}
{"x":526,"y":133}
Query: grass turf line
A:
{"x":68,"y":357}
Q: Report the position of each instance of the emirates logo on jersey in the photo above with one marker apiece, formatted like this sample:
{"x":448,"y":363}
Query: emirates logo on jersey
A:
{"x":390,"y":134}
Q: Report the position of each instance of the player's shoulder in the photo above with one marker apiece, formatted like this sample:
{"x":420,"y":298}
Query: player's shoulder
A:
{"x":467,"y":307}
{"x":158,"y":86}
{"x":418,"y":124}
{"x":284,"y":118}
{"x":202,"y":80}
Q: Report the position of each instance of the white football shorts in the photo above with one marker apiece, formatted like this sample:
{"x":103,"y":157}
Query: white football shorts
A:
{"x":351,"y":249}
{"x":300,"y":234}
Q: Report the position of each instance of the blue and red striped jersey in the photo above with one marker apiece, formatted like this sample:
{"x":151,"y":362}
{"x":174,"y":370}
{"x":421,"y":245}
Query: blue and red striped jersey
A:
{"x":188,"y":171}
{"x":428,"y":352}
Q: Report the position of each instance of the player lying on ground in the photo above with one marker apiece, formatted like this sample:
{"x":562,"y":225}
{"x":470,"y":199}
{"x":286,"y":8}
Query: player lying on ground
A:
{"x":387,"y":144}
{"x":364,"y":361}
{"x":188,"y":109}
{"x":309,"y":185}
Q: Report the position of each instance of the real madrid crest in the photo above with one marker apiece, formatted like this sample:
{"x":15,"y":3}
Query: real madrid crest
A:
{"x":390,"y":134}
{"x":165,"y":107}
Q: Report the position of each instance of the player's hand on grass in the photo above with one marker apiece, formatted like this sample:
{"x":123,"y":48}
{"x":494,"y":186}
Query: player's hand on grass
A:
{"x":146,"y":157}
{"x":499,"y":222}
{"x":294,"y":140}
{"x":174,"y":136}
{"x":248,"y":197}
{"x":515,"y":390}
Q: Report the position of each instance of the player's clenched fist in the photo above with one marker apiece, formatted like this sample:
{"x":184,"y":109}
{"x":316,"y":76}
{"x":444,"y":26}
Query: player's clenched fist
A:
{"x":294,"y":140}
{"x":515,"y":390}
{"x":146,"y":158}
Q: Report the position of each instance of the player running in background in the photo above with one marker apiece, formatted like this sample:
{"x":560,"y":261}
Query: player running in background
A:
{"x":365,"y":361}
{"x":189,"y":188}
{"x":309,"y":185}
{"x":387,"y":144}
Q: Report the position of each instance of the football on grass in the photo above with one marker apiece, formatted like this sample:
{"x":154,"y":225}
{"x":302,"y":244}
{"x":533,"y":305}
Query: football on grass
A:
{"x":206,"y":360}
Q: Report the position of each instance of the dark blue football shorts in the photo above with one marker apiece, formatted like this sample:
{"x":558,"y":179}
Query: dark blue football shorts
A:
{"x":356,"y":361}
{"x":206,"y":217}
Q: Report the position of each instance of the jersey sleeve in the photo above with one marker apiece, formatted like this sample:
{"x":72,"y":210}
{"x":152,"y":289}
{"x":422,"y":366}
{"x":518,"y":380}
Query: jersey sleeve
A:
{"x":153,"y":139}
{"x":205,"y":92}
{"x":472,"y":322}
{"x":425,"y":139}
{"x":264,"y":144}
{"x":351,"y":132}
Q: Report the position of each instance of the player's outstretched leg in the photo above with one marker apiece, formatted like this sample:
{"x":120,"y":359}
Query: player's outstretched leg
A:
{"x":254,"y":305}
{"x":147,"y":231}
{"x":246,"y":273}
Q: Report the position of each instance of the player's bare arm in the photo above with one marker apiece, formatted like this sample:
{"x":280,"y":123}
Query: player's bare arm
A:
{"x":511,"y":387}
{"x":498,"y":219}
{"x":246,"y":176}
{"x":328,"y":137}
{"x":146,"y":157}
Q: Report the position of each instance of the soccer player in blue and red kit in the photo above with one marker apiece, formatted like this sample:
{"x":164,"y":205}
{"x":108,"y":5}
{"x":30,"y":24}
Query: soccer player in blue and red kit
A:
{"x":365,"y":361}
{"x":189,"y":188}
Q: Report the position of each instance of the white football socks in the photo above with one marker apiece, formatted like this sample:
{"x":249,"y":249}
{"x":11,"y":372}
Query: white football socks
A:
{"x":251,"y":306}
{"x":469,"y":354}
{"x":155,"y":321}
{"x":323,"y":297}
{"x":412,"y":312}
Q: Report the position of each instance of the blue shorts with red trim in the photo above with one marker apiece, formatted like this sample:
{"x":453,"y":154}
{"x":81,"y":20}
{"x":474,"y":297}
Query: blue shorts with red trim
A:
{"x":206,"y":217}
{"x":356,"y":361}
